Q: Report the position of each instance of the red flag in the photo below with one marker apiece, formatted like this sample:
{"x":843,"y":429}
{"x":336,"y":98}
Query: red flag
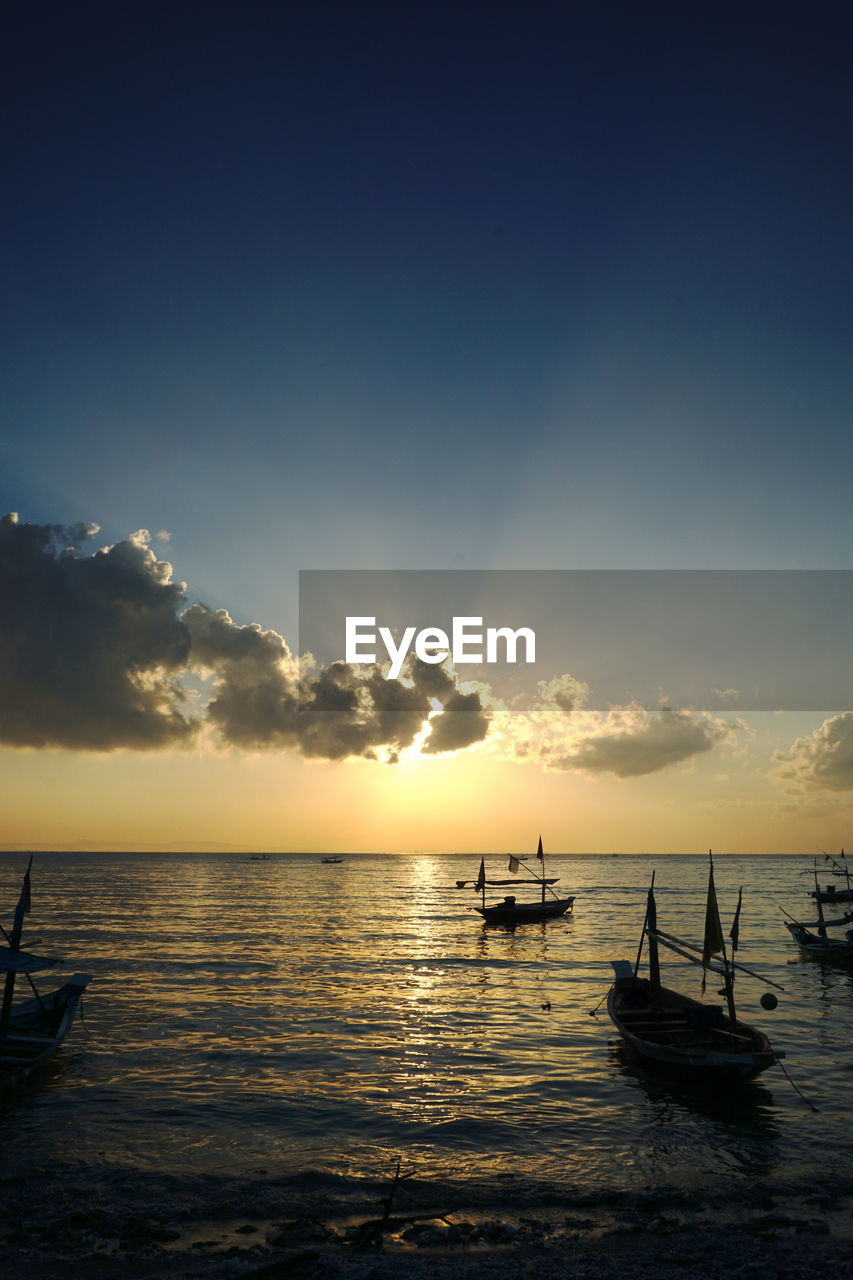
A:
{"x":539,"y":854}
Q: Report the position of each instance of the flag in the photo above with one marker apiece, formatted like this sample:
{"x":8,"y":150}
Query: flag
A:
{"x":25,"y":901}
{"x":539,"y":854}
{"x":513,"y":864}
{"x":713,"y":928}
{"x":481,"y":878}
{"x":734,"y":932}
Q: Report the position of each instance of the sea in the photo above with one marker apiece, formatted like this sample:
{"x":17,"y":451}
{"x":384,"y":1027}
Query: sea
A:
{"x":274,"y":1033}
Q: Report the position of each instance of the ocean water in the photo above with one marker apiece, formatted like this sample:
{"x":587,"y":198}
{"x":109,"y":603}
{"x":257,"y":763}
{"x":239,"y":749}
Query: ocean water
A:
{"x":290,"y":1022}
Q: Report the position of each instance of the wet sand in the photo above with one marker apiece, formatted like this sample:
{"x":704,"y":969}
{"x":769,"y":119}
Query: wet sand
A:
{"x":771,"y":1240}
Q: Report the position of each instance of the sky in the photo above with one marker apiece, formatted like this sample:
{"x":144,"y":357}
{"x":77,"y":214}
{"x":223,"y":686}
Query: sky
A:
{"x":452,"y":288}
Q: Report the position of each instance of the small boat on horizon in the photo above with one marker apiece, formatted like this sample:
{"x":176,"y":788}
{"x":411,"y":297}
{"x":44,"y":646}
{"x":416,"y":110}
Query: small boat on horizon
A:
{"x":511,"y":912}
{"x":672,"y":1030}
{"x":332,"y":858}
{"x":32,"y":1030}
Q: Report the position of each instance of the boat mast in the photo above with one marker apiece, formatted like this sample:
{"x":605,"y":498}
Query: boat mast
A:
{"x":715,"y":941}
{"x":15,"y":945}
{"x":481,"y":880}
{"x":541,"y":856}
{"x":821,"y":924}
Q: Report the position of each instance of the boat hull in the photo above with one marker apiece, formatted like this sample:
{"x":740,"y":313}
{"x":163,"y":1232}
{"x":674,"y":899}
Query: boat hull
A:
{"x":525,"y":912}
{"x":837,"y":950}
{"x":685,"y":1034}
{"x":37,"y":1028}
{"x":829,"y":893}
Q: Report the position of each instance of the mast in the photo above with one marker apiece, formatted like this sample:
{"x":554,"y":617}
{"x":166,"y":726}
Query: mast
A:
{"x":654,"y":958}
{"x":821,"y":924}
{"x":15,"y":945}
{"x":715,"y":943}
{"x":481,"y":880}
{"x":541,"y":856}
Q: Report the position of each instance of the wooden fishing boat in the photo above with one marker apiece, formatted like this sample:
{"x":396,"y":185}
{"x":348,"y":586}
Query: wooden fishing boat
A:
{"x":821,"y":944}
{"x":332,"y":859}
{"x":833,"y":892}
{"x":32,"y":1030}
{"x":511,"y":912}
{"x":672,"y":1030}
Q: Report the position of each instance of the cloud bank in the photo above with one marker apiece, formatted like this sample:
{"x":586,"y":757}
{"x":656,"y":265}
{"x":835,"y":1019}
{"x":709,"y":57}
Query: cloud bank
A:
{"x":94,"y":649}
{"x":102,"y":650}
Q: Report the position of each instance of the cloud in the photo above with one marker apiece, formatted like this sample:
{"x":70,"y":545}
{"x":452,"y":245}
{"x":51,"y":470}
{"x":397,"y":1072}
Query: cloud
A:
{"x":558,"y":732}
{"x":632,"y":741}
{"x":461,"y":722}
{"x":264,"y":698}
{"x":95,"y":649}
{"x":90,"y":645}
{"x":823,"y":761}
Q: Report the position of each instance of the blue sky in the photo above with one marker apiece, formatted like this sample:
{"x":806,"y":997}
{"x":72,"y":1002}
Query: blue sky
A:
{"x":384,"y":286}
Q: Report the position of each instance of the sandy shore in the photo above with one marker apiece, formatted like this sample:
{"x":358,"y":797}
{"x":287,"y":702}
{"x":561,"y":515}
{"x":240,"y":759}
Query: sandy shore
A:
{"x":769,"y":1243}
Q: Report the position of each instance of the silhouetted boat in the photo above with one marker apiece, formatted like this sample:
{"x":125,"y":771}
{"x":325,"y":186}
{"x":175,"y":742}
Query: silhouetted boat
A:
{"x":821,"y":944}
{"x":32,"y":1030}
{"x":511,"y":912}
{"x":334,"y":859}
{"x":830,"y":892}
{"x":672,"y":1030}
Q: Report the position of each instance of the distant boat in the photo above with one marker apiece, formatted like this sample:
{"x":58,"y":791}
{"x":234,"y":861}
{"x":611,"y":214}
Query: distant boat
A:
{"x":668,"y":1029}
{"x":829,"y":892}
{"x":258,"y":857}
{"x":511,"y":912}
{"x":821,"y":944}
{"x":334,"y":859}
{"x":32,"y":1030}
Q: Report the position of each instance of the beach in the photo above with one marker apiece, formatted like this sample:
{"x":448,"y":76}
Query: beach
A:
{"x":758,"y":1236}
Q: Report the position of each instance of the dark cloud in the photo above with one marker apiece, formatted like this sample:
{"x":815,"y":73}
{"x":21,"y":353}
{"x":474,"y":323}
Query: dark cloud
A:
{"x":460,"y":723}
{"x":262,"y":699}
{"x":823,"y":761}
{"x":95,"y":646}
{"x":90,"y":645}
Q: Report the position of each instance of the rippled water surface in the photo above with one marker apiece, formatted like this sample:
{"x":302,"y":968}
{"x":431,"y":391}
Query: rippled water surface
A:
{"x":296,"y":1018}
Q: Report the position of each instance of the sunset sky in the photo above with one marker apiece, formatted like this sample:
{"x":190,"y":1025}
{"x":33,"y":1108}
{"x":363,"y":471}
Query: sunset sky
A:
{"x":427,"y":288}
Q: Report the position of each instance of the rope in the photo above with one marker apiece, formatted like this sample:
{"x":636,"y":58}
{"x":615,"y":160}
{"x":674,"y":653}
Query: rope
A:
{"x":799,"y":1092}
{"x":593,"y":1012}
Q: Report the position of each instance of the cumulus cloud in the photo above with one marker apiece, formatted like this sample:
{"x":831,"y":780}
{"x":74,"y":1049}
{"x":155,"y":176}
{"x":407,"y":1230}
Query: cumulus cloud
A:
{"x":264,"y":698}
{"x":90,"y":645}
{"x":632,"y":741}
{"x":94,"y":649}
{"x":558,"y":732}
{"x":823,"y":761}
